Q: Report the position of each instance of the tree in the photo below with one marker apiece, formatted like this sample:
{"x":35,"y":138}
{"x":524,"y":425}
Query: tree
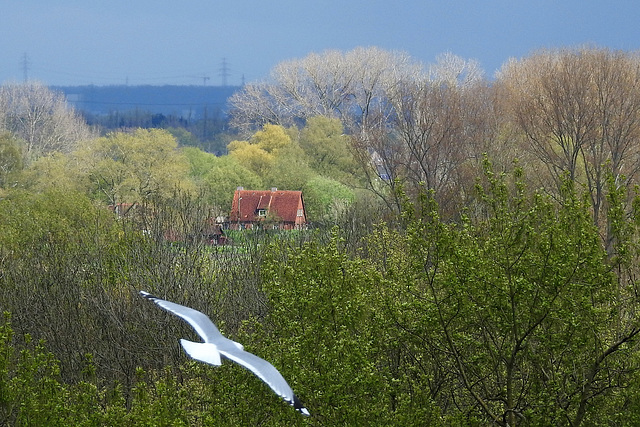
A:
{"x":579,"y":111}
{"x":132,"y":167}
{"x":251,"y":156}
{"x":329,"y":149}
{"x":455,"y":71}
{"x":432,"y":126}
{"x":11,"y":158}
{"x":432,"y":135}
{"x":290,"y":169}
{"x":218,"y":177}
{"x":183,"y":136}
{"x":325,"y":307}
{"x":271,"y":138}
{"x":326,"y":199}
{"x":41,"y":118}
{"x":515,"y":308}
{"x":345,"y":85}
{"x":266,"y":154}
{"x":56,"y":171}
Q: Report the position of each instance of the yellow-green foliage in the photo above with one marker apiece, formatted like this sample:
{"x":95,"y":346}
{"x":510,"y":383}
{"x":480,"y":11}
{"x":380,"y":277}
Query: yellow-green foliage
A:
{"x":130,"y":167}
{"x":514,"y":312}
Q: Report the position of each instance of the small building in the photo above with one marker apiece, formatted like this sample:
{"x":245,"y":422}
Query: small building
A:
{"x":277,"y":209}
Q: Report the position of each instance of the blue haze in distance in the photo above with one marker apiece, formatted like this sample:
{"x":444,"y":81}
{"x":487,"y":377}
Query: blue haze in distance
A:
{"x":195,"y":42}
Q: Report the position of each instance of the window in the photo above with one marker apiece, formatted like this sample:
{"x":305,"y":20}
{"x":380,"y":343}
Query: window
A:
{"x":300,"y":212}
{"x":262,"y":212}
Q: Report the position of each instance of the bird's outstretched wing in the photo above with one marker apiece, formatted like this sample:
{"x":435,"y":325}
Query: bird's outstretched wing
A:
{"x":267,"y":373}
{"x":198,"y":321}
{"x":227,"y":348}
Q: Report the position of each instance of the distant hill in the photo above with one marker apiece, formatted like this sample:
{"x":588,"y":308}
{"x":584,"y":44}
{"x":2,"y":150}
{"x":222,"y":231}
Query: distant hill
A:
{"x":188,"y":102}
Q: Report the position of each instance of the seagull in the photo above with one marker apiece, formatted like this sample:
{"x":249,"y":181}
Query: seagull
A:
{"x":216,"y":346}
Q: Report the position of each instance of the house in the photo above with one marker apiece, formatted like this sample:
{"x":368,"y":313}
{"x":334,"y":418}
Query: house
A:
{"x":267,"y":209}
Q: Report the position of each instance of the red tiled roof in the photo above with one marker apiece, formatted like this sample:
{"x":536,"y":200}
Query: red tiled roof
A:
{"x":283,"y":204}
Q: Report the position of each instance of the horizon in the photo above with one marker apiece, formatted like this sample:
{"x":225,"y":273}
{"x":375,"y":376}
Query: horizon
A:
{"x":73,"y":43}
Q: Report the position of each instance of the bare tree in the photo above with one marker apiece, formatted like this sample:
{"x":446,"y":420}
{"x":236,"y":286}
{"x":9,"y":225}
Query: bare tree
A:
{"x":551,"y":105}
{"x":431,"y":130}
{"x":344,"y":85}
{"x":579,"y":110}
{"x":456,"y":71}
{"x":41,"y":118}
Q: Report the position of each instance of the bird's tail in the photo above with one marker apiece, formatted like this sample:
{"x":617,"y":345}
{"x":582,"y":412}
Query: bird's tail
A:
{"x":202,"y":351}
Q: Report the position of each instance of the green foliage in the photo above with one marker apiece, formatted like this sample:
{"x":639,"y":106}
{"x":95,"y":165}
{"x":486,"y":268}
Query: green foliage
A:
{"x":30,"y":393}
{"x":326,"y":198}
{"x":132,"y":167}
{"x":11,"y":158}
{"x":252,"y":157}
{"x":515,"y":307}
{"x":218,"y":177}
{"x":290,"y":170}
{"x":328,"y":149}
{"x":260,"y":152}
{"x":30,"y":223}
{"x":515,"y":314}
{"x":271,"y":138}
{"x":56,"y":171}
{"x":183,"y":137}
{"x":325,"y":329}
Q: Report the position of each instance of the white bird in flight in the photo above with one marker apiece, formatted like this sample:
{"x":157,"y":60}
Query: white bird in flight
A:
{"x":216,"y":346}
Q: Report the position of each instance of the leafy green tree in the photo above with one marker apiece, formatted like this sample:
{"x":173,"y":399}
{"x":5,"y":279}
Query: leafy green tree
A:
{"x":251,"y":156}
{"x":11,"y":158}
{"x":326,"y":328}
{"x":290,"y":169}
{"x":260,"y":152}
{"x":183,"y":137}
{"x":326,"y":198}
{"x":328,"y":149}
{"x":56,"y":171}
{"x":271,"y":138}
{"x":31,"y":393}
{"x":273,"y":155}
{"x":516,"y":308}
{"x":130,"y":167}
{"x":218,"y":177}
{"x":200,"y":162}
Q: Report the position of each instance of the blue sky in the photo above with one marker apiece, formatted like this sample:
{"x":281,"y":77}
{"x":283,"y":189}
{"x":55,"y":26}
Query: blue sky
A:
{"x":77,"y":42}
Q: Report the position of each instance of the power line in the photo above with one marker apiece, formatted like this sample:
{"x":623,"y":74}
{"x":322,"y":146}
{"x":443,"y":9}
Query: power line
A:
{"x":224,"y":71}
{"x":150,"y":104}
{"x":29,"y":69}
